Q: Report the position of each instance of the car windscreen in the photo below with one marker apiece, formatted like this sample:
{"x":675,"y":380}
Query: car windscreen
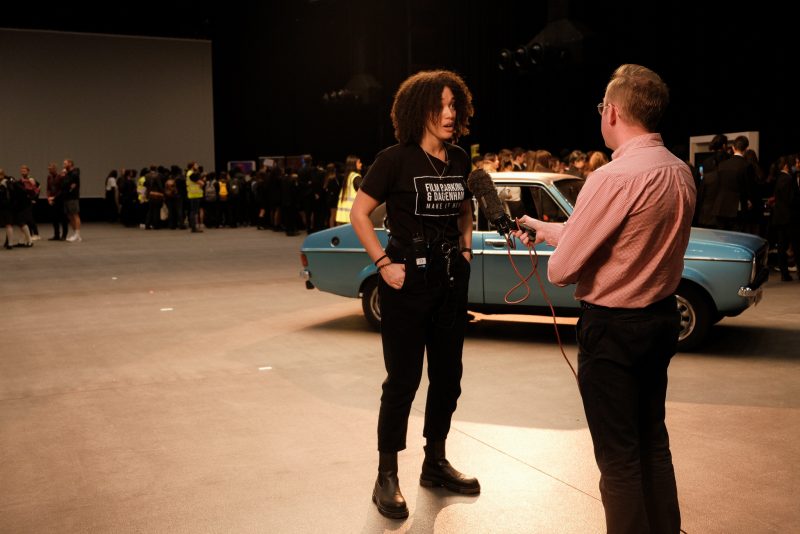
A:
{"x":570,"y":189}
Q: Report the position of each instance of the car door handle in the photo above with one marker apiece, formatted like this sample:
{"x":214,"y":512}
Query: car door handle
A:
{"x":496,"y":243}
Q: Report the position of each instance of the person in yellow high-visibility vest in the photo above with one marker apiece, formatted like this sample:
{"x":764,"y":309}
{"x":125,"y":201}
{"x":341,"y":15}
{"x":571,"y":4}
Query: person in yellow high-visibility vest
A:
{"x":352,"y":169}
{"x":194,"y":191}
{"x":141,"y":196}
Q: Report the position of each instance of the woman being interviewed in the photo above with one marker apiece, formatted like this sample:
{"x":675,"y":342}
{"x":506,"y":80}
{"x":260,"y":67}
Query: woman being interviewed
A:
{"x":424,"y":273}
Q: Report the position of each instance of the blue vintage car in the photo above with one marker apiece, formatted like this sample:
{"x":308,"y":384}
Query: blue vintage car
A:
{"x":722,"y":274}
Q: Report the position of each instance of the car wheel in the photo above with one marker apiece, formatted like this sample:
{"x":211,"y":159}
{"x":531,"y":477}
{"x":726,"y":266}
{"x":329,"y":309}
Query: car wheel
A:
{"x":695,"y":310}
{"x":371,"y":303}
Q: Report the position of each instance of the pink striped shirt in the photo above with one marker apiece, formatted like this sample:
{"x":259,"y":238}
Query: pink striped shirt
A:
{"x":624,"y":243}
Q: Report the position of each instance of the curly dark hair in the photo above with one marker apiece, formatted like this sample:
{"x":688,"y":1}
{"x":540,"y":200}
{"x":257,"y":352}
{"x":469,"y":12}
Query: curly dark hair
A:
{"x":419,"y":99}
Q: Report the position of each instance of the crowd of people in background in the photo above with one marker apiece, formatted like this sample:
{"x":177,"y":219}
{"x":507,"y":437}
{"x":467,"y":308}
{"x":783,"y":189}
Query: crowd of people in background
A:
{"x":575,"y":162}
{"x":18,"y":196}
{"x":288,"y":200}
{"x":734,"y":193}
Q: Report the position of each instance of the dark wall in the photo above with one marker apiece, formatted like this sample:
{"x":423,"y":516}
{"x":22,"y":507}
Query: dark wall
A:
{"x":727,"y":69}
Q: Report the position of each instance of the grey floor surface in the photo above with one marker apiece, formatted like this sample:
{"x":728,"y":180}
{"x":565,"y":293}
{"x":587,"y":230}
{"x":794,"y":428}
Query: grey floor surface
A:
{"x":178,"y":383}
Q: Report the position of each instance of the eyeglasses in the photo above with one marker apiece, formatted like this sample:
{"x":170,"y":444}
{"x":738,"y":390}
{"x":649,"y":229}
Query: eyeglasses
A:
{"x":601,"y":107}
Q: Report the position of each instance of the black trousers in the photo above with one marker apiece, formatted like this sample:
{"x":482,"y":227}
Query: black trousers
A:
{"x":58,"y":218}
{"x":788,"y":235}
{"x":194,"y":212}
{"x":623,"y":357}
{"x":425,"y":314}
{"x":154,"y":213}
{"x":175,"y":208}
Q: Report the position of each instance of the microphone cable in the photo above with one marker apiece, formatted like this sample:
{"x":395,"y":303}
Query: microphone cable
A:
{"x":523,"y":281}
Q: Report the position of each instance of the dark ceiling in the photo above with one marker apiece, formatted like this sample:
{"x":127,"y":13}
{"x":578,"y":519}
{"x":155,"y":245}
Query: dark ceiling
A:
{"x":276,"y":62}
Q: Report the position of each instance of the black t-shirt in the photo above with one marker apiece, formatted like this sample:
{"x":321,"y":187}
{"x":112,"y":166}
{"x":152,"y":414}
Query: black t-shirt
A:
{"x":419,"y":200}
{"x":72,"y":177}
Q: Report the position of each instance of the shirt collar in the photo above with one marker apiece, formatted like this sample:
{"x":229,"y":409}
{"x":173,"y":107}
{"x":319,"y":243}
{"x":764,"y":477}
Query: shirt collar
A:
{"x":640,"y":141}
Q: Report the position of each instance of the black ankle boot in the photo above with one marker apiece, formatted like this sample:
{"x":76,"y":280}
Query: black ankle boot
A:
{"x":437,"y":471}
{"x":386,"y":495}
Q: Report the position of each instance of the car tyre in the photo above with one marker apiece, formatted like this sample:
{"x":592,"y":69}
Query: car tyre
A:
{"x":696,"y":314}
{"x":371,"y":302}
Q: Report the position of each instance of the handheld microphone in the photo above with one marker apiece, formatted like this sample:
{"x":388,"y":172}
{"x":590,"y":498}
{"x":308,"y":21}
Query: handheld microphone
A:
{"x":482,"y":186}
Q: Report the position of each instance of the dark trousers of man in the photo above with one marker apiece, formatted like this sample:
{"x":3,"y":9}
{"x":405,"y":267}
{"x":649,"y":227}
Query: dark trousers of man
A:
{"x":142,"y":211}
{"x":127,"y":212}
{"x":211,"y":216}
{"x":59,"y":220}
{"x":787,"y":235}
{"x":623,"y":357}
{"x":175,"y":209}
{"x":426,"y":313}
{"x":154,"y":213}
{"x":194,"y":212}
{"x":289,"y":218}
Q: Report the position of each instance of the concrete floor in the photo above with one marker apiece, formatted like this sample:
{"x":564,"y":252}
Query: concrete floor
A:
{"x":169,"y":382}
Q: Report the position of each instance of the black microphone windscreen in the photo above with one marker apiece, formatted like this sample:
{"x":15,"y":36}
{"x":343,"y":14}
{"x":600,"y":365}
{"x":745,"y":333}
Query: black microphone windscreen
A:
{"x":479,"y":182}
{"x":482,"y":186}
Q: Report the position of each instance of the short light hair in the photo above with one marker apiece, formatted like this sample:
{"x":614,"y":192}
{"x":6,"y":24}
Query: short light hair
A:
{"x":640,"y":93}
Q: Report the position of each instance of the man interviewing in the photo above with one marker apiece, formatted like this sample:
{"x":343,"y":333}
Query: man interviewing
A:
{"x":623,"y":247}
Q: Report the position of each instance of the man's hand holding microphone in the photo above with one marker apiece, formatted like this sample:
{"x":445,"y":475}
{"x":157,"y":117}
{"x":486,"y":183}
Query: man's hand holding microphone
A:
{"x":529,"y":230}
{"x":542,"y":231}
